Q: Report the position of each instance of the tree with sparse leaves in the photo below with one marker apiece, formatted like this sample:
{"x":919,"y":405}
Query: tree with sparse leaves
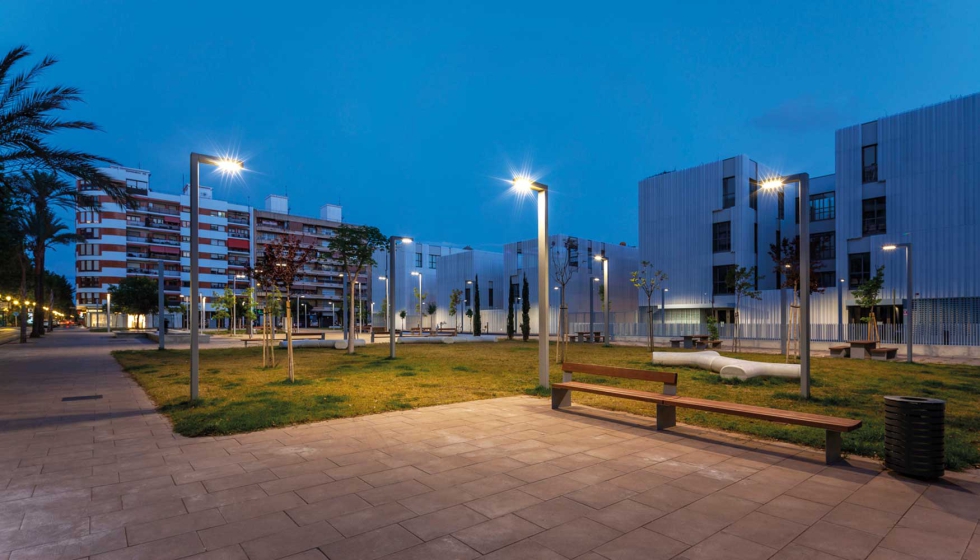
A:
{"x":454,"y":299}
{"x":354,"y":247}
{"x":741,"y":282}
{"x":511,"y":327}
{"x":868,"y":296}
{"x":647,"y":281}
{"x":136,"y":295}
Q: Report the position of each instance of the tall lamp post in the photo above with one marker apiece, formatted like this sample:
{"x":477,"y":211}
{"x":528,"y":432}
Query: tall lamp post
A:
{"x":605,"y":294}
{"x":526,"y":185}
{"x":804,"y":212}
{"x":419,"y":274}
{"x":908,"y":296}
{"x":160,"y":309}
{"x":663,"y":309}
{"x":108,"y":313}
{"x":385,"y":279}
{"x":234,"y":296}
{"x":227,"y":166}
{"x":840,"y":310}
{"x":390,"y":290}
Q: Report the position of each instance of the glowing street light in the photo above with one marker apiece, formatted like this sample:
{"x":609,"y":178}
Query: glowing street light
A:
{"x":776,"y":183}
{"x":526,"y":185}
{"x":908,"y":296}
{"x":390,"y":290}
{"x":601,"y":257}
{"x":228,"y":166}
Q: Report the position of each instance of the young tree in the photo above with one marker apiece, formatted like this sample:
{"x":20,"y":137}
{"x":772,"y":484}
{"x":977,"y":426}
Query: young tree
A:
{"x":526,"y":312}
{"x":469,"y":315}
{"x":477,"y":321}
{"x":420,"y":298}
{"x":265,"y":282}
{"x":786,"y":258}
{"x":223,"y":305}
{"x":562,"y":271}
{"x":648,"y":281}
{"x":741,"y":282}
{"x":354,"y":247}
{"x":431,"y":308}
{"x":511,"y":327}
{"x":135,"y":295}
{"x":284,"y":258}
{"x":454,"y":298}
{"x":868,"y":296}
{"x":402,"y":314}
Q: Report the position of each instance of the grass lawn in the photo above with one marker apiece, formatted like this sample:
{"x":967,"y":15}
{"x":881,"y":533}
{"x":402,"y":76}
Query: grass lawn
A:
{"x":238,"y":395}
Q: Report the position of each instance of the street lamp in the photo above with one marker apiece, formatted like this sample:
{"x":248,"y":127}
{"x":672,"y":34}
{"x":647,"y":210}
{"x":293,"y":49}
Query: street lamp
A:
{"x":234,"y":295}
{"x":390,"y":290}
{"x":225,"y":165}
{"x":385,"y":279}
{"x":526,"y":185}
{"x":108,"y":312}
{"x":419,"y":274}
{"x":840,"y":311}
{"x":592,"y":309}
{"x":663,"y":307}
{"x":804,"y":213}
{"x":601,"y":257}
{"x":908,"y":296}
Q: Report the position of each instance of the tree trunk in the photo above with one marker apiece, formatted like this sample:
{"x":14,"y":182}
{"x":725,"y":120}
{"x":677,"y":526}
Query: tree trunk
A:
{"x":351,"y":330}
{"x":37,"y":330}
{"x":265,"y":335}
{"x":650,"y":326}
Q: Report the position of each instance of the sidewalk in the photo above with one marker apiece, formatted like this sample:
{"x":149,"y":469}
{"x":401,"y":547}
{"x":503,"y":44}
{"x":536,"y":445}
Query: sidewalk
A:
{"x":501,"y":479}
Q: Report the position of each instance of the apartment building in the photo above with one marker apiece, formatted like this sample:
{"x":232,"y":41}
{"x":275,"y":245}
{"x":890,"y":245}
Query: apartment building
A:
{"x":318,"y":291}
{"x":908,"y":178}
{"x":122,"y":241}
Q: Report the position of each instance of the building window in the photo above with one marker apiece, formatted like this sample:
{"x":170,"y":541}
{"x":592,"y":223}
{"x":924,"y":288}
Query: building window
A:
{"x":826,"y":278}
{"x":89,"y":233}
{"x":869,"y":164}
{"x":490,"y":295}
{"x":573,"y":251}
{"x":728,"y":192}
{"x":873,"y":216}
{"x":719,"y":277}
{"x":859,"y":269}
{"x":89,"y":266}
{"x":753,"y":194}
{"x":433,"y":261}
{"x":721,"y":237}
{"x":418,"y":260}
{"x":823,"y":207}
{"x":823,"y":246}
{"x":89,"y":249}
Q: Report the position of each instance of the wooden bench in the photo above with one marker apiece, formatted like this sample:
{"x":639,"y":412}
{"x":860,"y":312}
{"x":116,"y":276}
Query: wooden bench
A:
{"x":446,"y":332}
{"x":667,"y":402}
{"x":883,"y":354}
{"x":314,"y":336}
{"x":676,"y":342}
{"x":841,"y":351}
{"x":705,"y":344}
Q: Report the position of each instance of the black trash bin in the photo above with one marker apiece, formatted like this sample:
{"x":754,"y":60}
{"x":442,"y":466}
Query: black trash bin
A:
{"x":914,"y":432}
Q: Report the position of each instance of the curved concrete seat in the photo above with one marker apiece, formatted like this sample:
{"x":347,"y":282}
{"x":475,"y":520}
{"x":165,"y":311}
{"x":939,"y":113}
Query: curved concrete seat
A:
{"x":338,"y":344}
{"x":728,"y":368}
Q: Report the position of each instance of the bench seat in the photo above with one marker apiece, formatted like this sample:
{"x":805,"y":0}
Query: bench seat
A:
{"x":668,"y":402}
{"x":676,"y":342}
{"x":843,"y":351}
{"x":883,"y":353}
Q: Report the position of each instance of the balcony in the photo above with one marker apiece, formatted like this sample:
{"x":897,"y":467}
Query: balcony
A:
{"x":236,"y":220}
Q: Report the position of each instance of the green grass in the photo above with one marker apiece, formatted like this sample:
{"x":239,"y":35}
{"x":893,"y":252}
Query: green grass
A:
{"x":239,"y":395}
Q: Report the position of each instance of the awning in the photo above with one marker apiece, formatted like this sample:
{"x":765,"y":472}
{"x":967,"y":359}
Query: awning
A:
{"x":235,"y":243}
{"x":167,"y":250}
{"x":171,"y":219}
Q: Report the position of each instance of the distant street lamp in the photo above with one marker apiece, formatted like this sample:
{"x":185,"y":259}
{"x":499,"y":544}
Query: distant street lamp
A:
{"x":225,"y":165}
{"x":592,"y":309}
{"x":108,"y":313}
{"x":525,"y":185}
{"x":663,"y":307}
{"x":605,"y":294}
{"x":908,"y":296}
{"x":804,"y":249}
{"x":234,"y":294}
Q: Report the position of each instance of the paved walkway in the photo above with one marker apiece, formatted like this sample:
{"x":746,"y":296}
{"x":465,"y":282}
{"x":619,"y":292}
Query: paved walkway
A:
{"x":504,"y":478}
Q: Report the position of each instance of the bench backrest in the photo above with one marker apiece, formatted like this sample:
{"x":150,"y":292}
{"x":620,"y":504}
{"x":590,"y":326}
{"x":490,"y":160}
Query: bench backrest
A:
{"x":667,"y":378}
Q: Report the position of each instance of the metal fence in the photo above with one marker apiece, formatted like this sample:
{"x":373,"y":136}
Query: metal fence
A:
{"x":959,"y":334}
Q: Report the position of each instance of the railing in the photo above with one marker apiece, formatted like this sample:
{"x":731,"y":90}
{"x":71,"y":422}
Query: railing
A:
{"x":152,"y":272}
{"x":242,"y":221}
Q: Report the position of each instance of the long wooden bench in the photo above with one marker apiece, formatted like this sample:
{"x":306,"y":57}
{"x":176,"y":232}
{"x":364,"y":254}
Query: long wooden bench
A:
{"x":842,"y":351}
{"x":668,"y":401}
{"x":314,"y":336}
{"x":705,"y":344}
{"x":883,"y":354}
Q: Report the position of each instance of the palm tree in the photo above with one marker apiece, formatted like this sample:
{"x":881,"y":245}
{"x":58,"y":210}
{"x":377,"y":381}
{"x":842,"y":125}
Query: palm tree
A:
{"x":39,"y":191}
{"x":26,"y":121}
{"x":43,"y":230}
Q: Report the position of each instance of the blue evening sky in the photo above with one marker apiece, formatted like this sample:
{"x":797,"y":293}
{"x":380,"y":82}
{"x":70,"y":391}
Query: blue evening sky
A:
{"x":409,"y":114}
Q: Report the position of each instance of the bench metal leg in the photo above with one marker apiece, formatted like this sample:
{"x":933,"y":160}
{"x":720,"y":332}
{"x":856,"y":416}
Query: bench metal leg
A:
{"x":834,"y":440}
{"x":666,"y":416}
{"x":560,"y":398}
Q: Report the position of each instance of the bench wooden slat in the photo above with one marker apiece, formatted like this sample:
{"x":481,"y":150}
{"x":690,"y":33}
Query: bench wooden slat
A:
{"x":632,"y":394}
{"x":765,"y":413}
{"x":608,"y":371}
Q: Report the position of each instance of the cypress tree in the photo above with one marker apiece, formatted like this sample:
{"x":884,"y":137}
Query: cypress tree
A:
{"x":477,"y":326}
{"x":511,"y":328}
{"x":525,"y":311}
